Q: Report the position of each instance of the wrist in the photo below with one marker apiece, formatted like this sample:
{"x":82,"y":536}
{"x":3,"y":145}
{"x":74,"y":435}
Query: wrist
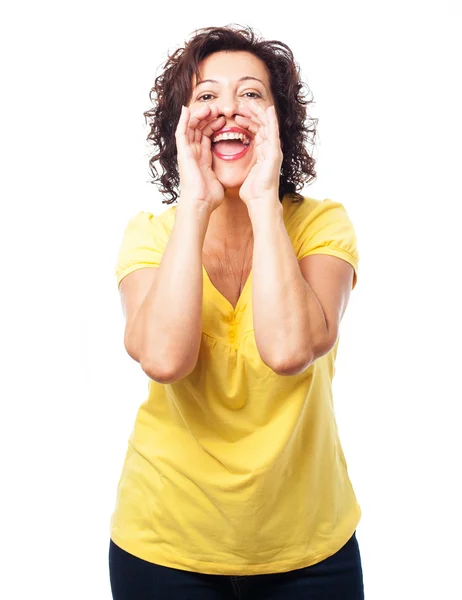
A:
{"x":193,"y":215}
{"x":267,"y":205}
{"x":194,"y":207}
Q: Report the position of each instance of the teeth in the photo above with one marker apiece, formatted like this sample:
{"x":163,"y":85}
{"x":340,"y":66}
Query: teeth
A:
{"x":232,"y":136}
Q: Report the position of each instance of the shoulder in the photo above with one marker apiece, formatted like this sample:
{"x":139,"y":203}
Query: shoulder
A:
{"x":140,"y":222}
{"x":322,"y":227}
{"x":143,"y":242}
{"x":310,"y":209}
{"x":146,"y":222}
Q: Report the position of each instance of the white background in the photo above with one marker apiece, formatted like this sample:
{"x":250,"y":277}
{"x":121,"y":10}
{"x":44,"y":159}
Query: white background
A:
{"x":74,"y":162}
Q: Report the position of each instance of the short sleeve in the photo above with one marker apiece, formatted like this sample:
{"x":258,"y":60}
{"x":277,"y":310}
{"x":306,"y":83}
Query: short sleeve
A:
{"x":141,"y":245}
{"x":326,"y":228}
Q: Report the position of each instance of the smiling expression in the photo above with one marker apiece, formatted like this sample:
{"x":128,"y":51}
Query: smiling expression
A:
{"x":230,"y":79}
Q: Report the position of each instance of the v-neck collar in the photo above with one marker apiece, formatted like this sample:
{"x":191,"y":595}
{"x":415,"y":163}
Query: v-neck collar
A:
{"x":224,"y":301}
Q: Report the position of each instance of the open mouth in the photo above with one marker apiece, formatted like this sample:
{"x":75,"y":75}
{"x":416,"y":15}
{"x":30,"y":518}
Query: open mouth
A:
{"x":230,"y":145}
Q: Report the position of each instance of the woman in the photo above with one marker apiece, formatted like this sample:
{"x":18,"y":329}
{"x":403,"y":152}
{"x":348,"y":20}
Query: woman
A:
{"x":234,"y":483}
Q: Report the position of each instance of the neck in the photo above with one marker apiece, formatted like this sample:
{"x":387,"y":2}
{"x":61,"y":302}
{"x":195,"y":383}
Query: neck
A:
{"x":230,"y":223}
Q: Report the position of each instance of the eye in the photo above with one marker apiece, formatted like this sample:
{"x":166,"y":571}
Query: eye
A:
{"x":202,"y":97}
{"x":252,"y":95}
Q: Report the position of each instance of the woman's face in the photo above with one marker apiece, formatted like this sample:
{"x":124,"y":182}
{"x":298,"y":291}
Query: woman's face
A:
{"x":237,"y":78}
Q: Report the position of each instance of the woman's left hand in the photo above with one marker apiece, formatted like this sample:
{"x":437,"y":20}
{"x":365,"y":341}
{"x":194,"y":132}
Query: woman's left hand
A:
{"x":262,"y":182}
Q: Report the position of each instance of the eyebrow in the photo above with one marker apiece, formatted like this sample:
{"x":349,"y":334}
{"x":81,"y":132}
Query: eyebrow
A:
{"x":245,"y":78}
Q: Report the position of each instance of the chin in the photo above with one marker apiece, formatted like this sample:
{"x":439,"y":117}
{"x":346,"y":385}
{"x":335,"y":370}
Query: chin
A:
{"x":231,"y":183}
{"x":231,"y":176}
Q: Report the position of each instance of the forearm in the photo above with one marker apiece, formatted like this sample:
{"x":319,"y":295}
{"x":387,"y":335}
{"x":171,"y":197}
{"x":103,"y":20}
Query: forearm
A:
{"x":169,"y":322}
{"x":289,"y":322}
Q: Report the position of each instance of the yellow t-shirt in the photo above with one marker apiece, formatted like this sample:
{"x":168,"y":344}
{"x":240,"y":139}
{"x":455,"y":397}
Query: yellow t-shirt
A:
{"x":235,"y":470}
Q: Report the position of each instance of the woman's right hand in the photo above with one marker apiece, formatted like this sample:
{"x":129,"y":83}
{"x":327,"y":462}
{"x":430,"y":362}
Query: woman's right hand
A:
{"x":198,"y":182}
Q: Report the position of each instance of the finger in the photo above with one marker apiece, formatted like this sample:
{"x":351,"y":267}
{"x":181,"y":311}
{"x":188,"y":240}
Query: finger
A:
{"x":182,"y":126}
{"x":260,"y":156}
{"x":213,"y":126}
{"x":212,"y":113}
{"x":244,"y":110}
{"x":246,"y":123}
{"x":214,"y":110}
{"x":260,"y":131}
{"x":206,"y":122}
{"x":273,"y":123}
{"x":269,"y":129}
{"x":258,"y":111}
{"x":248,"y":114}
{"x":215,"y":122}
{"x":206,"y":143}
{"x":256,"y":120}
{"x":196,"y":117}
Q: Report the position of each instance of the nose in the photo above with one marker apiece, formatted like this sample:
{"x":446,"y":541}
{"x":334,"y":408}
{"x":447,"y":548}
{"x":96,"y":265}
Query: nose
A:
{"x":228,"y":106}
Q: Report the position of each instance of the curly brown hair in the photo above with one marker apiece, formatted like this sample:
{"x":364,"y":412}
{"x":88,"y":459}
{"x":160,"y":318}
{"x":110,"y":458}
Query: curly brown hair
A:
{"x":172,"y":89}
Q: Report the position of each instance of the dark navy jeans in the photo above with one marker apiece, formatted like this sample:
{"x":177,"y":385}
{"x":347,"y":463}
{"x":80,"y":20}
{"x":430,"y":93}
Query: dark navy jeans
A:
{"x":338,"y":577}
